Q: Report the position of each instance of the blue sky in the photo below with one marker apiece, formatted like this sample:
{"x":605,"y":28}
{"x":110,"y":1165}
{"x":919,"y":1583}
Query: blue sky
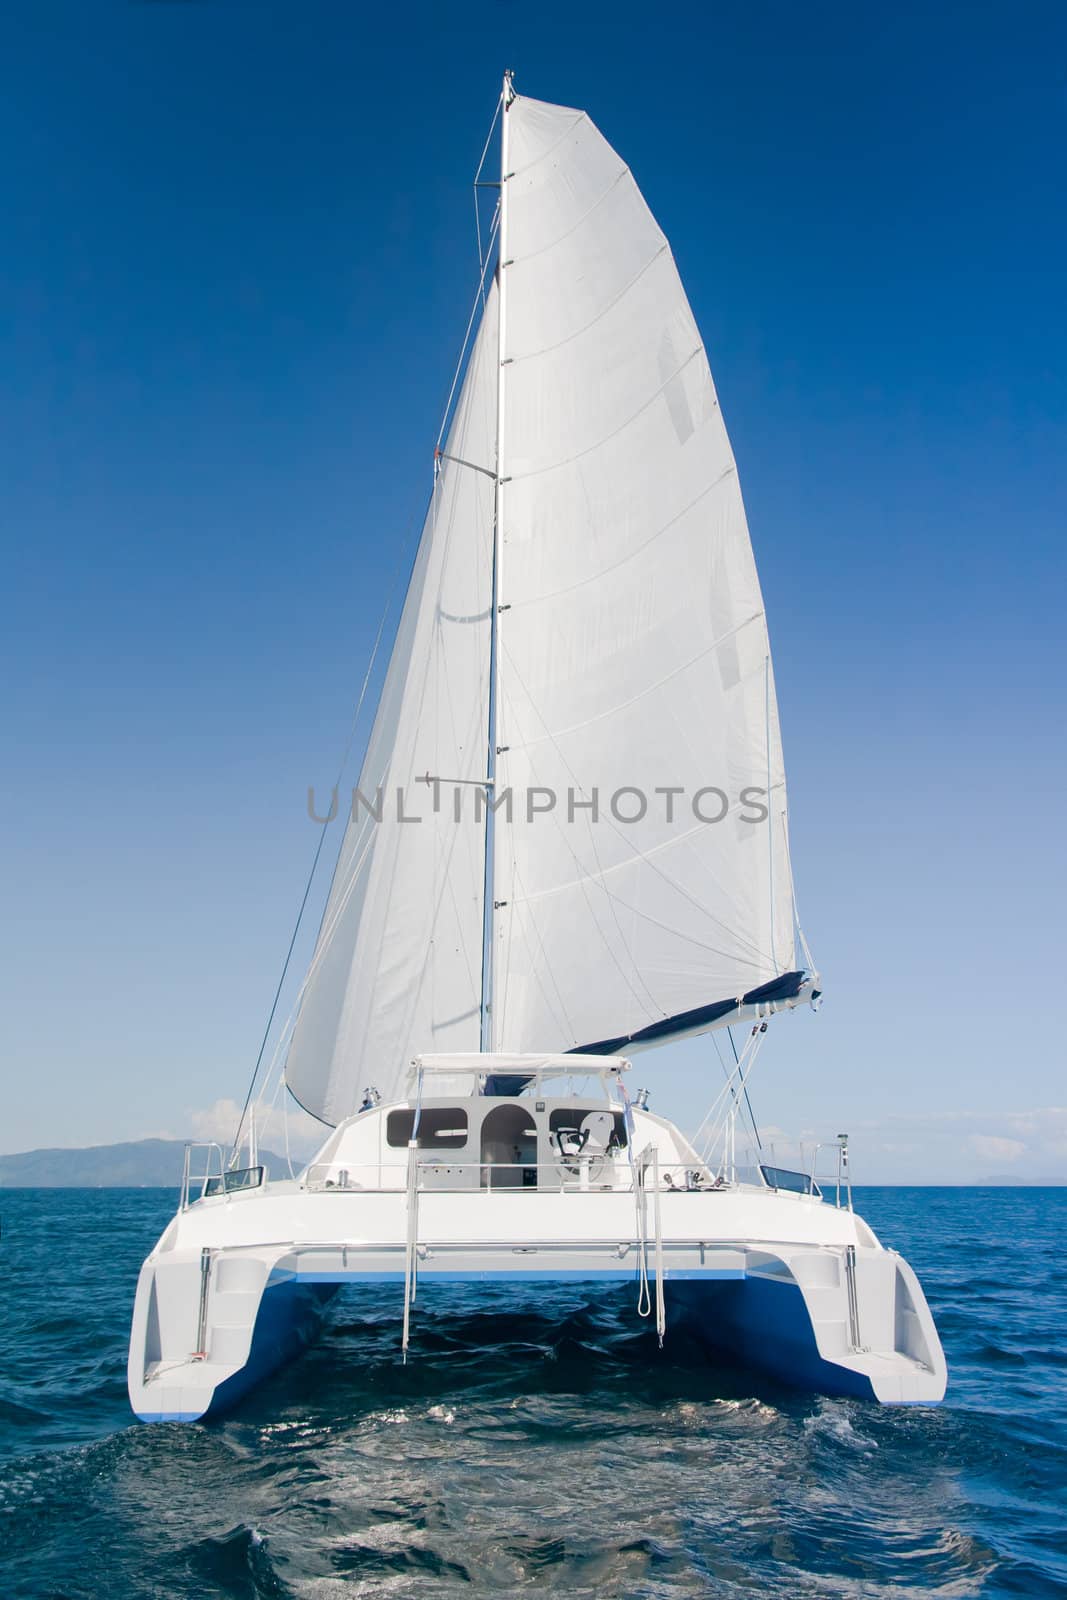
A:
{"x":236,"y":263}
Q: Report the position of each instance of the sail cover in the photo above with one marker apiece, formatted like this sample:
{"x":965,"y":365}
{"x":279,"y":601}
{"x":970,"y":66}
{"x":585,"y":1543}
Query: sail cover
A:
{"x":634,"y":658}
{"x":397,"y":967}
{"x":640,"y":859}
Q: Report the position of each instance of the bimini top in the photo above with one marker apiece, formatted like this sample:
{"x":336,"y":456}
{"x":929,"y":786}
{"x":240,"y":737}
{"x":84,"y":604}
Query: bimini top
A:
{"x":525,"y":1066}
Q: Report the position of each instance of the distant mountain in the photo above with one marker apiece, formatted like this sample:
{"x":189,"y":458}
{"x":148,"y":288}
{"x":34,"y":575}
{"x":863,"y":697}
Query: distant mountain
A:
{"x":141,"y":1164}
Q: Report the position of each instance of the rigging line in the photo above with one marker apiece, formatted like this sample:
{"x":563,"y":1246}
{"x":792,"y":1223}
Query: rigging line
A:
{"x":314,"y":865}
{"x":718,"y":1111}
{"x":445,"y":415}
{"x":489,"y":135}
{"x":470,"y":324}
{"x":474,"y":191}
{"x":718,"y":1105}
{"x":363,"y":690}
{"x":326,"y":932}
{"x":285,"y":1125}
{"x":325,"y":938}
{"x":730,"y":1034}
{"x":793,"y":895}
{"x":742,"y":1071}
{"x":398,"y":567}
{"x":744,"y":1086}
{"x":712,"y":1109}
{"x":770,"y":813}
{"x":752,"y":1118}
{"x":329,"y":924}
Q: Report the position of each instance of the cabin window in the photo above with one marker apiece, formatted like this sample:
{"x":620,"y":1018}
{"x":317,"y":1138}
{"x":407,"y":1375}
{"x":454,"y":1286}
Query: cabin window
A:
{"x":791,"y":1182}
{"x":229,"y":1181}
{"x":440,"y":1128}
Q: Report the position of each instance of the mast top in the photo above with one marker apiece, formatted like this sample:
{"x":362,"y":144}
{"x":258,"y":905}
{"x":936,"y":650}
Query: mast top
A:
{"x":509,"y":87}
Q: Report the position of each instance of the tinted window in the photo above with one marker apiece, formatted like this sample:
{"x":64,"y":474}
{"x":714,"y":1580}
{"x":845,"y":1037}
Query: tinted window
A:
{"x":782,"y":1178}
{"x":440,"y":1128}
{"x":242,"y":1178}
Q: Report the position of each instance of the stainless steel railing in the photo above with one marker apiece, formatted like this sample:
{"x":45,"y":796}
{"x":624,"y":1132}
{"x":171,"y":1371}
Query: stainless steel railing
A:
{"x":190,"y":1178}
{"x":577,"y":1175}
{"x":214,"y":1177}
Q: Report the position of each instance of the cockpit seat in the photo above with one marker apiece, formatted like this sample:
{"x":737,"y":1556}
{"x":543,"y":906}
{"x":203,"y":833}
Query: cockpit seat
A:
{"x":598,"y":1130}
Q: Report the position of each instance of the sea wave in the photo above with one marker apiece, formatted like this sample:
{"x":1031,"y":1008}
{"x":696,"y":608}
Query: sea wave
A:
{"x":536,"y":1443}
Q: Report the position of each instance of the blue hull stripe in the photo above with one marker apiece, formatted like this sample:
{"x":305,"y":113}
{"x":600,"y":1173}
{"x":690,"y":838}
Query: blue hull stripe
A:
{"x":764,"y":1325}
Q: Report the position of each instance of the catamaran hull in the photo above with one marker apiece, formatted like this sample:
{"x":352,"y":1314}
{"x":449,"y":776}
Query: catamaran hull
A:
{"x":836,"y":1315}
{"x":280,"y":1324}
{"x":770,"y":1325}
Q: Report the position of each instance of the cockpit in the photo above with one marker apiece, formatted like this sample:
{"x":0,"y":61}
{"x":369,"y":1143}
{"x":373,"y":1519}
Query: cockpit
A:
{"x":513,"y":1143}
{"x":558,"y":1124}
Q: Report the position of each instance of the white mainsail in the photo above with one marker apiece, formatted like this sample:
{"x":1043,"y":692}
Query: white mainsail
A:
{"x":634,"y":654}
{"x":633,"y":673}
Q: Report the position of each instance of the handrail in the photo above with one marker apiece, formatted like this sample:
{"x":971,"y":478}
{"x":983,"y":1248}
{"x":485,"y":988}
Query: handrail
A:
{"x":842,"y":1178}
{"x":411,"y":1253}
{"x":578,"y":1175}
{"x":390,"y":1246}
{"x":201,"y":1351}
{"x":189,"y":1177}
{"x":855,"y":1341}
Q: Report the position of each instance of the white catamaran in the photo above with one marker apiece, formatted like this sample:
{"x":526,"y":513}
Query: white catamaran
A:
{"x":568,"y":844}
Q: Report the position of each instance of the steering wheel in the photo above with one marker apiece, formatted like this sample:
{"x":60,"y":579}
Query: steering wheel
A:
{"x":577,"y":1139}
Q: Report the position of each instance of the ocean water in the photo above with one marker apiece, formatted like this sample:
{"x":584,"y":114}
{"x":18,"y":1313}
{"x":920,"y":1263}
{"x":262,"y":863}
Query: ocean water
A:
{"x":537,"y":1443}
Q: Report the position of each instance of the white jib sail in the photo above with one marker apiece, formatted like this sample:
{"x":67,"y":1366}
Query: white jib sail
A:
{"x":397,"y":968}
{"x":634,"y":656}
